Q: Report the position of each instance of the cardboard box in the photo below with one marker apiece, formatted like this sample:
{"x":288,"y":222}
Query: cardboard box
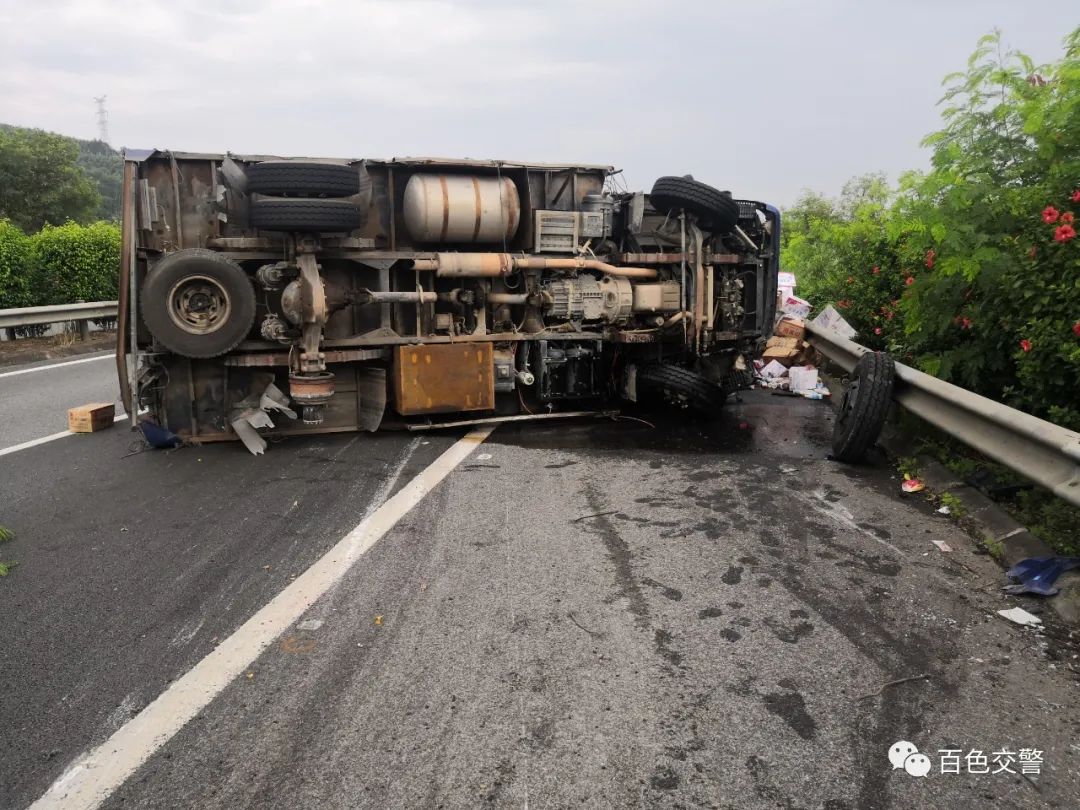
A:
{"x":91,"y":417}
{"x":780,"y":342}
{"x":783,"y":356}
{"x":803,"y":379}
{"x":829,"y":318}
{"x":791,"y":327}
{"x":795,"y":306}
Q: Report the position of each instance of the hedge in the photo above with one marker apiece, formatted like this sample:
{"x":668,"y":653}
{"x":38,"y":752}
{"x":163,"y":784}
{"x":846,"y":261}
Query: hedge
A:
{"x":59,"y":264}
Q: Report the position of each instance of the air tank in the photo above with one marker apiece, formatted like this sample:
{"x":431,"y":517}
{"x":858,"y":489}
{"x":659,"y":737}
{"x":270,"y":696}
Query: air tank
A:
{"x":461,"y":208}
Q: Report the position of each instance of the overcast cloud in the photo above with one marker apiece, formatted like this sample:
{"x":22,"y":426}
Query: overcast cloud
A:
{"x":764,"y":98}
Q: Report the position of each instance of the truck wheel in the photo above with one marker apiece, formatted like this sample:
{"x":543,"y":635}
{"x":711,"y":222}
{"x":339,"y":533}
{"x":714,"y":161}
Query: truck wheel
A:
{"x":715,"y":211}
{"x":300,"y":178}
{"x":681,"y":387}
{"x":320,"y":216}
{"x":864,"y":407}
{"x":197,"y":303}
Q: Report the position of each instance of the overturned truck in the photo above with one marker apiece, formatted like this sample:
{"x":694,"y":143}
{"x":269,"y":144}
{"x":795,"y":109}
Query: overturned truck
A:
{"x":305,"y":295}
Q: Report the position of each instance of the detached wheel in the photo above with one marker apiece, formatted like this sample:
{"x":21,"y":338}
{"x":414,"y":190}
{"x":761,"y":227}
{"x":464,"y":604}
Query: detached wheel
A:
{"x":310,"y":215}
{"x":300,"y":178}
{"x":197,"y":303}
{"x":714,"y":210}
{"x":680,"y":387}
{"x":864,"y":407}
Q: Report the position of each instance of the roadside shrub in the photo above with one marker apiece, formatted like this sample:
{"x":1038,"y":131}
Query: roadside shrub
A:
{"x":971,"y":270}
{"x":14,"y":266}
{"x":75,"y":262}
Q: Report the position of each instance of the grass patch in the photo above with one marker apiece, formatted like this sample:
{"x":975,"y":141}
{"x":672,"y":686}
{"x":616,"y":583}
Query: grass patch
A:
{"x":956,"y":506}
{"x":6,"y":534}
{"x":1047,"y":517}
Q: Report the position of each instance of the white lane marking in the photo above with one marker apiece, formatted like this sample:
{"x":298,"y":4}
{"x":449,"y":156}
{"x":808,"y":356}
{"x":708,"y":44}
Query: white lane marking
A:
{"x":57,"y":365}
{"x":93,"y":777}
{"x":52,"y":437}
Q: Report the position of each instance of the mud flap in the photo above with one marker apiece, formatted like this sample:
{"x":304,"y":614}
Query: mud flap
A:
{"x":371,"y":393}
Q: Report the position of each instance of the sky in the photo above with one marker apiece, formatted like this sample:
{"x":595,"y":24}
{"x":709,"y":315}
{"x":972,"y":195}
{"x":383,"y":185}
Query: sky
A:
{"x":762,"y":97}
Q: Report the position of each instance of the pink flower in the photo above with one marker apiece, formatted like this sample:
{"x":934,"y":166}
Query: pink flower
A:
{"x":965,"y":323}
{"x":909,"y":280}
{"x":1076,"y":328}
{"x":1025,"y":345}
{"x":876,"y":270}
{"x":1063,"y":233}
{"x":1076,"y":196}
{"x":1067,"y":218}
{"x":877,"y":330}
{"x":1050,"y":215}
{"x":930,"y":256}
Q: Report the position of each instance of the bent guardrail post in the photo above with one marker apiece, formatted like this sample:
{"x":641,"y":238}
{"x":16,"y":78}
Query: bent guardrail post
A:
{"x":1045,"y":453}
{"x":58,"y":313}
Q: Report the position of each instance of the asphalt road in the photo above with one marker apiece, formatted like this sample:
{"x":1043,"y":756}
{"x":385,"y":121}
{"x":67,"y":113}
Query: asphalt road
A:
{"x":604,"y":614}
{"x":34,"y":403}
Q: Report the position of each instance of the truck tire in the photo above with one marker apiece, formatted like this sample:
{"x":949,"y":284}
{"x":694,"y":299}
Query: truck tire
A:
{"x":714,"y":210}
{"x":197,"y":303}
{"x":311,"y":215}
{"x":681,"y":387}
{"x":864,"y":407}
{"x":302,"y":178}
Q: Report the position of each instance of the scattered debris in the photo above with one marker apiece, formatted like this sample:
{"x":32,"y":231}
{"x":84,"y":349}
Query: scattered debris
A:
{"x":791,"y":328}
{"x":942,"y":545}
{"x":1021,"y":617}
{"x":829,"y":318}
{"x":592,"y":633}
{"x":92,"y":417}
{"x":378,"y":621}
{"x":897,"y":682}
{"x":803,"y":378}
{"x":310,"y":624}
{"x":944,"y":510}
{"x":910,"y":484}
{"x":158,"y":437}
{"x":253,"y":412}
{"x":1038,"y":574}
{"x":794,"y":306}
{"x":773,"y":369}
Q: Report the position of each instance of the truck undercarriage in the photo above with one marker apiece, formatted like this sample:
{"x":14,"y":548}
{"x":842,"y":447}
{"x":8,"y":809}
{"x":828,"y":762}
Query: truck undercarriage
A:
{"x":303,"y":295}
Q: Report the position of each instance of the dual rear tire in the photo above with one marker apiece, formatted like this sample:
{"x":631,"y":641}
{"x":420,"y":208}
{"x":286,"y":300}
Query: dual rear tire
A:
{"x":304,"y":196}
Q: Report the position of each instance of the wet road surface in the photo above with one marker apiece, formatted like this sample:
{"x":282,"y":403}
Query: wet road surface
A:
{"x":603,"y":614}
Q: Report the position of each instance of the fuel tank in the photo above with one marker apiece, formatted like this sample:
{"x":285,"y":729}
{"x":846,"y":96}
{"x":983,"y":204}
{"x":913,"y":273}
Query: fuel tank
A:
{"x":461,"y":208}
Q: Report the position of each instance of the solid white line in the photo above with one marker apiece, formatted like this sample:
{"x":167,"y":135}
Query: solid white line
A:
{"x":56,"y":365}
{"x":15,"y":448}
{"x":93,"y":777}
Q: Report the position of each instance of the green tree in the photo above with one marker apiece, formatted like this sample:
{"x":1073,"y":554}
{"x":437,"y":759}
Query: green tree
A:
{"x":14,"y":266}
{"x":40,"y":181}
{"x":105,"y":167}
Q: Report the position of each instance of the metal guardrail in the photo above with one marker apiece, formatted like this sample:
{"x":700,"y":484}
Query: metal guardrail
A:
{"x":57,"y":313}
{"x":1045,"y":453}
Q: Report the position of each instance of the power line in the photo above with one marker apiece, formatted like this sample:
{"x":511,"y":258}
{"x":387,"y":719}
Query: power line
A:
{"x":102,"y":119}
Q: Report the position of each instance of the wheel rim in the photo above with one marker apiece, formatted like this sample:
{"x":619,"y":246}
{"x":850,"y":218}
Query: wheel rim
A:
{"x":851,"y":396}
{"x":199,"y":305}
